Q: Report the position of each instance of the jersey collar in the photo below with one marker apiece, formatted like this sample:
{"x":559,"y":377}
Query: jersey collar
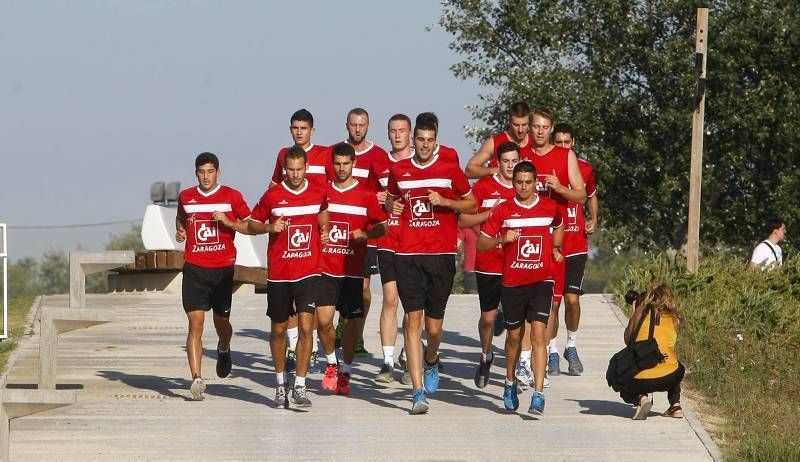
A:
{"x":527,"y":206}
{"x":496,"y":178}
{"x":210,"y":193}
{"x":333,"y":185}
{"x":433,"y":161}
{"x":298,"y":192}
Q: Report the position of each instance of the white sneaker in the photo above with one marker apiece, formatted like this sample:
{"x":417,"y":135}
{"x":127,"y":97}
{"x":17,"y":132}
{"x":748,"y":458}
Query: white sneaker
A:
{"x":524,"y":375}
{"x":197,"y":389}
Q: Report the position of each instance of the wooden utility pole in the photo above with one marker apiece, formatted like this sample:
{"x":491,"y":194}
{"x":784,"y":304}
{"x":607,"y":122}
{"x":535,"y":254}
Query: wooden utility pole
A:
{"x":696,"y":169}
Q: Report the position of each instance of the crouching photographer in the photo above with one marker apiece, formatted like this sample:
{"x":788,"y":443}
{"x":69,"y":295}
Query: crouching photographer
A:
{"x":656,"y":307}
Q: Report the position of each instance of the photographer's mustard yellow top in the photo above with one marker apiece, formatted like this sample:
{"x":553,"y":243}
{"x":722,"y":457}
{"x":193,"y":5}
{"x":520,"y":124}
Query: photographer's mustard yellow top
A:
{"x":666,"y":336}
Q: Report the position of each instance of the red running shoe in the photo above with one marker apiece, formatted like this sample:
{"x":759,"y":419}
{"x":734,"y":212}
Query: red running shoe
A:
{"x":329,"y":381}
{"x":343,"y":384}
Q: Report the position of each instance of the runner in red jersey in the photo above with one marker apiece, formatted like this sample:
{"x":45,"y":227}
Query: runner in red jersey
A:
{"x":445,"y":153}
{"x":519,"y":122}
{"x":489,"y":192}
{"x":319,"y":171}
{"x":209,"y":215}
{"x":576,"y":247}
{"x":559,"y":178}
{"x":366,"y":152}
{"x":428,"y":192}
{"x":354,"y":215}
{"x":523,"y":227}
{"x":399,"y":131}
{"x":295,"y":215}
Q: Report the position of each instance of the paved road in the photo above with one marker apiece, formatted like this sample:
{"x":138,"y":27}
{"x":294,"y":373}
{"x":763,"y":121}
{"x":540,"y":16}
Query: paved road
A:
{"x":133,"y":389}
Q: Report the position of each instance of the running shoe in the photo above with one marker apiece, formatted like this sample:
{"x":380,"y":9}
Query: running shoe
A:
{"x":419,"y":404}
{"x":430,"y":377}
{"x":299,"y":397}
{"x":510,"y":398}
{"x":281,"y":398}
{"x":482,"y":372}
{"x":499,"y":322}
{"x":553,"y":365}
{"x":360,"y":350}
{"x":402,"y":363}
{"x":197,"y":389}
{"x":329,"y":380}
{"x":291,"y":360}
{"x":343,"y":384}
{"x":575,"y":366}
{"x":537,"y":403}
{"x":314,"y":366}
{"x":524,"y":375}
{"x":386,"y":375}
{"x":224,"y":364}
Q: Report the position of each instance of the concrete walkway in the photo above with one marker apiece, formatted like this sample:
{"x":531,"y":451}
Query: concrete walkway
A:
{"x":132,"y":381}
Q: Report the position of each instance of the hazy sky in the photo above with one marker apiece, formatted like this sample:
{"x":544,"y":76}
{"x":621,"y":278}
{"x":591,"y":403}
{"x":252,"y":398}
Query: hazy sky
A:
{"x":100,"y":99}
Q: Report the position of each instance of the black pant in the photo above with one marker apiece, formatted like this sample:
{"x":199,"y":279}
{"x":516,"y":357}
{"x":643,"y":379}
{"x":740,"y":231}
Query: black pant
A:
{"x":670,"y":383}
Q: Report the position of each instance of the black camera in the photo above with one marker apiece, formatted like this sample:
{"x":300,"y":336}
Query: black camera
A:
{"x":633,"y":297}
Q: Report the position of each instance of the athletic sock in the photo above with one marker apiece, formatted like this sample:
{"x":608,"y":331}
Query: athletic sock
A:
{"x":345,"y":368}
{"x":299,"y":381}
{"x":571,"y":336}
{"x":223,"y":351}
{"x":388,"y":354}
{"x":509,"y":382}
{"x":552,"y":347}
{"x":314,"y":348}
{"x":331,"y":358}
{"x":525,"y":356}
{"x":294,"y":334}
{"x":487,"y":357}
{"x":280,"y":378}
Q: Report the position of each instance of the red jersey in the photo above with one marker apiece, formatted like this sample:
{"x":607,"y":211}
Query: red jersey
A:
{"x":446,"y":153}
{"x":525,"y":151}
{"x":529,"y":259}
{"x":349,"y":209}
{"x":209,"y":243}
{"x":555,"y":160}
{"x":489,"y":192}
{"x":426,"y":229}
{"x":362,"y":170}
{"x":292,"y":254}
{"x":381,"y":166}
{"x":576,"y":241}
{"x":320,"y":166}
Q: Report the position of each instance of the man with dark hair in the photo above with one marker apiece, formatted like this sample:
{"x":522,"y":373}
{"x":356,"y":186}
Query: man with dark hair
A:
{"x":366,"y":152}
{"x":354,"y":216}
{"x":399,"y":132}
{"x":519,"y":122}
{"x":576,"y":248}
{"x":209,"y":216}
{"x":767,"y":254}
{"x":428,"y":192}
{"x":522,"y":226}
{"x":445,"y":152}
{"x":489,"y":192}
{"x":295,"y":215}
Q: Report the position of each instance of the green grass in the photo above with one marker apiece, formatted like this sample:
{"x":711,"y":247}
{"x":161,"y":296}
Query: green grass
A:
{"x":18,"y":309}
{"x":740,"y":344}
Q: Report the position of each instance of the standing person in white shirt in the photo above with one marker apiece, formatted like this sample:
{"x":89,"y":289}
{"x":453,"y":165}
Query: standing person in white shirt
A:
{"x":767,"y":254}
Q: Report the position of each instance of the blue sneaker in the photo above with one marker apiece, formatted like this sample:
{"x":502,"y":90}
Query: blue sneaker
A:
{"x":510,"y":398}
{"x":553,"y":365}
{"x":419,"y":404}
{"x":430,"y":377}
{"x":537,"y":403}
{"x":575,"y":365}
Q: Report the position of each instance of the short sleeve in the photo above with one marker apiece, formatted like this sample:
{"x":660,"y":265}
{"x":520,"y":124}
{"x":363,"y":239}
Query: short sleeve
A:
{"x":558,"y":219}
{"x":240,"y":207}
{"x":491,"y":227}
{"x":591,"y":184}
{"x":375,"y":213}
{"x":392,"y":187}
{"x":277,"y":175}
{"x":262,"y":210}
{"x":460,"y":183}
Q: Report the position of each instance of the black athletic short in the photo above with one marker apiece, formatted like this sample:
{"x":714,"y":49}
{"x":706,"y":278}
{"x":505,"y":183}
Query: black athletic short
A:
{"x":529,"y":303}
{"x":344,"y":293}
{"x":207,"y":289}
{"x":573,"y":279}
{"x":488,"y":290}
{"x":424,"y":282}
{"x":284,"y":299}
{"x":371,"y":263}
{"x":386,"y":266}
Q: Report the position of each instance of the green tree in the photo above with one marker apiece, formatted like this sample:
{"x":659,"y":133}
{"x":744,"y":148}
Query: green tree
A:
{"x":23,"y":277}
{"x":53,"y":275}
{"x":622,"y":73}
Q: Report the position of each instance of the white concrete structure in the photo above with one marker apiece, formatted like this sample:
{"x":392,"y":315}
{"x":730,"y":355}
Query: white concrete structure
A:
{"x":19,"y":403}
{"x":83,"y":263}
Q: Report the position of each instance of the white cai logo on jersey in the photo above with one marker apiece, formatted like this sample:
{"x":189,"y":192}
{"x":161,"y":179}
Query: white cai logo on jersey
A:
{"x":541,"y":186}
{"x":421,"y":208}
{"x":529,"y":248}
{"x":299,"y":237}
{"x":572,"y":215}
{"x":206,"y":231}
{"x":339,"y":234}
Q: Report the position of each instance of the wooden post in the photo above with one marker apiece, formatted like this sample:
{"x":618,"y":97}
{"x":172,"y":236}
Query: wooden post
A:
{"x":696,"y":170}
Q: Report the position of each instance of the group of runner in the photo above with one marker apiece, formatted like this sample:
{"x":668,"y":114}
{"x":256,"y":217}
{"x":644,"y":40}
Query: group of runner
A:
{"x":337,"y":215}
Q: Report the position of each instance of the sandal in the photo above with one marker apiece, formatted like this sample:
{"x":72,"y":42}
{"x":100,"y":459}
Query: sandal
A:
{"x":674,"y":411}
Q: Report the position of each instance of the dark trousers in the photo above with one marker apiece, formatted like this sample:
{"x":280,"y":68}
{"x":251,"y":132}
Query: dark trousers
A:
{"x":670,"y":383}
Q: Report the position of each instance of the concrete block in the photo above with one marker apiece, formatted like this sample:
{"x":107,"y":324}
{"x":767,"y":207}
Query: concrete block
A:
{"x":19,"y":403}
{"x":168,"y":282}
{"x":83,"y":263}
{"x":55,"y":321}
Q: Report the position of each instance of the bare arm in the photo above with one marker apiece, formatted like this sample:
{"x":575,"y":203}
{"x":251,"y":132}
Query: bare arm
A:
{"x":634,"y":320}
{"x":475,"y":168}
{"x":377,"y":231}
{"x":594,"y":208}
{"x":240,"y":226}
{"x":180,"y":229}
{"x":255,"y":227}
{"x":486,"y":243}
{"x":466,"y":204}
{"x":468,"y":220}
